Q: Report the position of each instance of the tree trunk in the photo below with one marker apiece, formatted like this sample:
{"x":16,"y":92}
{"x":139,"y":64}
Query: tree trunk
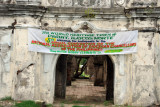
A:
{"x":77,"y":68}
{"x":83,"y":68}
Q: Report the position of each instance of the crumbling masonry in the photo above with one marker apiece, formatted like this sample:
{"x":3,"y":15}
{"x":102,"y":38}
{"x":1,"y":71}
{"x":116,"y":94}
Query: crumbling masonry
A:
{"x":26,"y":75}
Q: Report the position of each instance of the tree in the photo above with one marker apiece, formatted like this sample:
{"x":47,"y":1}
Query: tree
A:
{"x":80,"y":61}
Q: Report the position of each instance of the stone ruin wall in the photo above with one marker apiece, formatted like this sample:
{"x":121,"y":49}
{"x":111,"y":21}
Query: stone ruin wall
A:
{"x":29,"y":75}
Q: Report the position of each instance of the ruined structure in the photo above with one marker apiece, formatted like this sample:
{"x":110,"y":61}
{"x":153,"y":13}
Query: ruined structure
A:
{"x":26,"y":75}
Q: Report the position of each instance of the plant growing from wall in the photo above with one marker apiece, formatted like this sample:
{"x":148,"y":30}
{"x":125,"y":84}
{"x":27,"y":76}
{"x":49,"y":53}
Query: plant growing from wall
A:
{"x":89,"y":13}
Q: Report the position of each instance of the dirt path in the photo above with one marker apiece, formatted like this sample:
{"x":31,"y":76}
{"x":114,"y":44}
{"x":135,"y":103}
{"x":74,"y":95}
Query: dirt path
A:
{"x":84,"y":90}
{"x":83,"y":93}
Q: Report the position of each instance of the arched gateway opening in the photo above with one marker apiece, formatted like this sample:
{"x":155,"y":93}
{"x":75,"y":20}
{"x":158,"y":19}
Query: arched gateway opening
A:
{"x":98,"y":74}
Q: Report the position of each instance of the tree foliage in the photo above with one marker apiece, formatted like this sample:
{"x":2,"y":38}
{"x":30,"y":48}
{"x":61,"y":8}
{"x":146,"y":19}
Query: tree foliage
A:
{"x":80,"y":61}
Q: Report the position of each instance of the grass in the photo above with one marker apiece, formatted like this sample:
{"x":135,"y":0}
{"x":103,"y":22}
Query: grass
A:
{"x":106,"y":103}
{"x":49,"y":105}
{"x":6,"y":99}
{"x":84,"y":75}
{"x":124,"y":106}
{"x":62,"y":104}
{"x":73,"y":102}
{"x":80,"y":106}
{"x":26,"y":104}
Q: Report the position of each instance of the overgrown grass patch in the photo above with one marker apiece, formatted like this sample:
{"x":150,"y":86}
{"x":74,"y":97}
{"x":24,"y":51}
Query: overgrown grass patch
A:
{"x":6,"y":99}
{"x":26,"y":104}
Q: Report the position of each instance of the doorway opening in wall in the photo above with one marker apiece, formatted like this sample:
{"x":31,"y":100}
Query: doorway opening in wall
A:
{"x":84,"y":79}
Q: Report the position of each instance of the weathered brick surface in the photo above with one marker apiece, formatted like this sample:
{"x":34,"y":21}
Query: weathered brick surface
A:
{"x":84,"y":90}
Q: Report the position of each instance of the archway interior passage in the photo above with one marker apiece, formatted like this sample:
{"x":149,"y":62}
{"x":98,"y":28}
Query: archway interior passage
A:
{"x":84,"y":78}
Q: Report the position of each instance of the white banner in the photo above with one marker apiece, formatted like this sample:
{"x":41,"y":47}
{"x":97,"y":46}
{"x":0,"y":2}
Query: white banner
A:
{"x":82,"y":43}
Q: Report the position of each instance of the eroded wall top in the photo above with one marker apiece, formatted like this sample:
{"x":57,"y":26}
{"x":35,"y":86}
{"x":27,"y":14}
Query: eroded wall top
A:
{"x":87,"y":3}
